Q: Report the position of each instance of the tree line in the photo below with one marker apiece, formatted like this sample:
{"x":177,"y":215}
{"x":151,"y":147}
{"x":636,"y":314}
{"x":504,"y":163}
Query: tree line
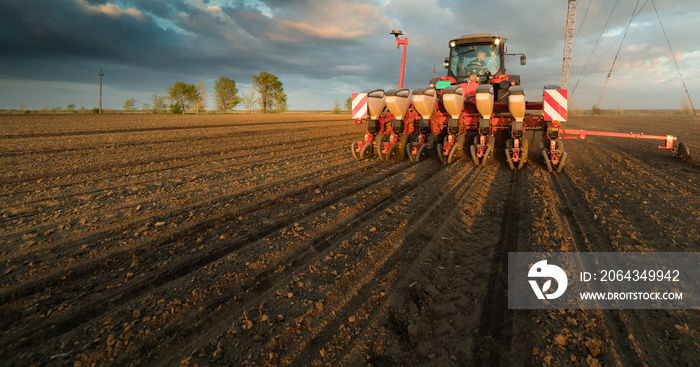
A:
{"x":267,"y":93}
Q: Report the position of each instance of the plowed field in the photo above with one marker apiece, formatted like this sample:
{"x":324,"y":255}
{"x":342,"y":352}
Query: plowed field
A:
{"x":258,"y":240}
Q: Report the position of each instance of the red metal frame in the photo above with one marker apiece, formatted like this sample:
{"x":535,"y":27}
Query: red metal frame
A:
{"x":668,"y":139}
{"x":403,"y":42}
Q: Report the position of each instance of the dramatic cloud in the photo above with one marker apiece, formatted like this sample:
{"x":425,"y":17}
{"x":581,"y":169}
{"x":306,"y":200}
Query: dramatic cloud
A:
{"x":111,"y":10}
{"x":325,"y":50}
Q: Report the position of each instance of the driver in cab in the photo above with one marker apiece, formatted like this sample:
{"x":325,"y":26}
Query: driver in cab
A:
{"x":478,"y":65}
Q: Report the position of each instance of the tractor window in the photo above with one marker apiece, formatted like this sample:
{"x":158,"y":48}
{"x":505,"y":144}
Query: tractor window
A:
{"x":474,"y":60}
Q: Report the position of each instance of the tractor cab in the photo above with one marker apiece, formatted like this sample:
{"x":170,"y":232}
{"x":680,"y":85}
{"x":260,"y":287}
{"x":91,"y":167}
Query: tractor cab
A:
{"x":480,"y":59}
{"x":480,"y":55}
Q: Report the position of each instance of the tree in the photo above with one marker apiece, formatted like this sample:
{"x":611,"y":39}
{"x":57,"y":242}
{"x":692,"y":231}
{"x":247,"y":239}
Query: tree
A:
{"x":249,"y":100}
{"x":158,"y":103}
{"x":70,"y":107}
{"x":201,"y":102}
{"x":225,"y":94}
{"x":130,"y":105}
{"x":336,"y":107}
{"x":348,"y":104}
{"x":175,"y":108}
{"x":281,"y":103}
{"x":270,"y":92}
{"x":184,"y":94}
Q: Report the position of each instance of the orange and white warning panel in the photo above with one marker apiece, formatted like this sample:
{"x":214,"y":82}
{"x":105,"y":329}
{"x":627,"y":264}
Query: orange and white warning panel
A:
{"x":555,"y":104}
{"x":359,"y":106}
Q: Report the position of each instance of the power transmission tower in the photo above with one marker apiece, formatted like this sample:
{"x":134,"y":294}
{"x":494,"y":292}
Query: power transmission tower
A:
{"x":101,"y":74}
{"x":568,"y":43}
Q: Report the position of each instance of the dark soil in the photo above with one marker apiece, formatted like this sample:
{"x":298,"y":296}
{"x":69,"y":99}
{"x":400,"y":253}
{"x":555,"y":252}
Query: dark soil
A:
{"x":259,"y":240}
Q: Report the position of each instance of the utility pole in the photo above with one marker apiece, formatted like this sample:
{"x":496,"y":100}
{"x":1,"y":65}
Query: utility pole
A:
{"x":101,"y":74}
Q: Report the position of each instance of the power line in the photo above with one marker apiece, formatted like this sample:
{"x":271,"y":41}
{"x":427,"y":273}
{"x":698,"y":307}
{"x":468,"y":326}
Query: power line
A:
{"x":595,"y":46}
{"x":617,"y":54}
{"x":674,"y":60}
{"x":613,"y":43}
{"x":634,"y":15}
{"x":583,"y":21}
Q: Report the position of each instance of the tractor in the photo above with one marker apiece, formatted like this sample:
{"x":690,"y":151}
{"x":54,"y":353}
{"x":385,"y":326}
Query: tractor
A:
{"x":468,"y":111}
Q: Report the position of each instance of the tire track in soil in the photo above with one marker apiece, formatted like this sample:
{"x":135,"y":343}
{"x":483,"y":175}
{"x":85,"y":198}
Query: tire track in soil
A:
{"x":639,"y":176}
{"x":270,"y":279}
{"x":119,"y":297}
{"x":158,"y":129}
{"x":628,"y":197}
{"x":588,"y":237}
{"x":664,"y":161}
{"x":495,"y":330}
{"x":369,"y":302}
{"x":438,"y":284}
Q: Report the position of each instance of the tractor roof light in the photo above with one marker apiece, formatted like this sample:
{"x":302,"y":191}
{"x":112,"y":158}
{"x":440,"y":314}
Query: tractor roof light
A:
{"x":497,"y":41}
{"x":453,"y":44}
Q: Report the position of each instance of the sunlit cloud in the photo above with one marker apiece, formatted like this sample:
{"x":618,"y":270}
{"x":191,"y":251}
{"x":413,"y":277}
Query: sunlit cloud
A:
{"x":111,"y":10}
{"x":146,"y":45}
{"x":309,"y":30}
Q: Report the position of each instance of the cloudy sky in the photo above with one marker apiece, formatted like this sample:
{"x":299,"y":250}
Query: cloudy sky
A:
{"x":322,"y":51}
